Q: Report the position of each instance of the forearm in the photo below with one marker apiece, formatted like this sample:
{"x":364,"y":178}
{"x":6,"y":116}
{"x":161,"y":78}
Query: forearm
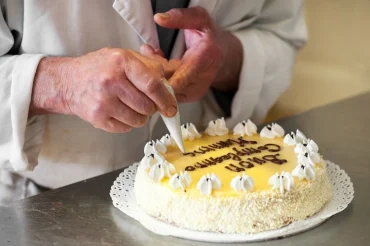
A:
{"x":227,"y":78}
{"x":49,"y":85}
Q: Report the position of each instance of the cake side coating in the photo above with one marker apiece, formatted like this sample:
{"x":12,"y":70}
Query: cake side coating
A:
{"x":247,"y":213}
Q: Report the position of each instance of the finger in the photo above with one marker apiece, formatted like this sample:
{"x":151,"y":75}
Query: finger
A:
{"x":114,"y":126}
{"x":204,"y":57}
{"x":126,"y":115}
{"x":148,"y":80}
{"x":170,"y":66}
{"x":159,"y":52}
{"x":186,"y":18}
{"x":147,"y":50}
{"x":199,"y":58}
{"x":135,"y":99}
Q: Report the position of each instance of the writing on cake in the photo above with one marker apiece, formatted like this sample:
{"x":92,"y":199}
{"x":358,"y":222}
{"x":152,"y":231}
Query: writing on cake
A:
{"x":240,"y":153}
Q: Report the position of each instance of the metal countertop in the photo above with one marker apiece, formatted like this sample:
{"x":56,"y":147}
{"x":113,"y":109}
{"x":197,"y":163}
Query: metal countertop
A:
{"x":82,"y":213}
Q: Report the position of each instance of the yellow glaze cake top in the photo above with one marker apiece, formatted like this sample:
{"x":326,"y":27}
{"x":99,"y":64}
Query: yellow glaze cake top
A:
{"x":229,"y":156}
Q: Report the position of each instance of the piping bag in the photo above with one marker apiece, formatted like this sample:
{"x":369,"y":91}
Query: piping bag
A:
{"x":173,"y":123}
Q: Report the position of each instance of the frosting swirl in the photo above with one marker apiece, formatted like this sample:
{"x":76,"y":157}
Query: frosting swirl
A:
{"x":167,"y":140}
{"x":189,"y":132}
{"x":150,"y":160}
{"x":217,"y":127}
{"x":300,"y":137}
{"x":272,"y":131}
{"x":180,"y":181}
{"x":297,"y":138}
{"x":283,"y":182}
{"x":244,"y":183}
{"x":309,"y":158}
{"x":308,"y":146}
{"x":152,"y":146}
{"x":161,"y":170}
{"x":303,"y":171}
{"x":290,"y":139}
{"x":312,"y":146}
{"x":207,"y":183}
{"x":245,"y":128}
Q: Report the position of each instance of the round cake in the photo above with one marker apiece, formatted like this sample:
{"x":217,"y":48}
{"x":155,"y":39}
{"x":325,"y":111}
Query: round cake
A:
{"x":234,"y":181}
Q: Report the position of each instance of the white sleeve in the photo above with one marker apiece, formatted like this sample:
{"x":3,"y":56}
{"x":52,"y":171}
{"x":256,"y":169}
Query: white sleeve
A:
{"x":269,"y":45}
{"x":20,"y":136}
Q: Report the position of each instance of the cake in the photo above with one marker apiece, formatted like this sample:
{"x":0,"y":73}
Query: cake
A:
{"x":232,"y":181}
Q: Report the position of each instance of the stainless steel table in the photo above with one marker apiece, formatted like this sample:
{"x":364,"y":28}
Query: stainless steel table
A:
{"x":82,"y":213}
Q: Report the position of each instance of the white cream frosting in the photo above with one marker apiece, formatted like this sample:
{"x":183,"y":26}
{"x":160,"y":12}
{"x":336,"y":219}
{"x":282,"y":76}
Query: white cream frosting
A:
{"x":267,"y":210}
{"x":207,"y":183}
{"x":245,"y":128}
{"x":217,"y":127}
{"x":180,"y":181}
{"x":290,"y":139}
{"x":303,"y":171}
{"x":306,"y":147}
{"x":272,"y":131}
{"x":167,"y":140}
{"x":283,"y":182}
{"x":300,"y":137}
{"x":189,"y":132}
{"x":161,"y":170}
{"x":301,"y":148}
{"x":150,"y":160}
{"x":297,"y":138}
{"x":152,"y":146}
{"x":242,"y":183}
{"x":312,"y":146}
{"x":309,"y":158}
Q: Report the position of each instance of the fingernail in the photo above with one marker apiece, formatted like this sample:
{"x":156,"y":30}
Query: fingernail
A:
{"x":171,"y":111}
{"x":164,"y":15}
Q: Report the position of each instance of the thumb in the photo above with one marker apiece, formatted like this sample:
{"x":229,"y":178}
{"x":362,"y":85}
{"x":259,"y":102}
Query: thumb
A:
{"x":186,"y":18}
{"x":149,"y":51}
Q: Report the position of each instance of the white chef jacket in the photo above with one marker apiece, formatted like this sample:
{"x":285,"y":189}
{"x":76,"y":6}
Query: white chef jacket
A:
{"x":56,"y":150}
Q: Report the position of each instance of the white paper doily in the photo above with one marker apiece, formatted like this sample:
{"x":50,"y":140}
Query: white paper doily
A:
{"x":123,"y":198}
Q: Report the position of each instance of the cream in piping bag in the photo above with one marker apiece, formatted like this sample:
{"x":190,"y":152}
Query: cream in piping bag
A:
{"x":173,"y":123}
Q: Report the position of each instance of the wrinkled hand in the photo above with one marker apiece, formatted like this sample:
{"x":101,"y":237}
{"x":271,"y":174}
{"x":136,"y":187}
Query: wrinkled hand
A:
{"x":169,"y":66}
{"x":113,"y":89}
{"x":205,"y":57}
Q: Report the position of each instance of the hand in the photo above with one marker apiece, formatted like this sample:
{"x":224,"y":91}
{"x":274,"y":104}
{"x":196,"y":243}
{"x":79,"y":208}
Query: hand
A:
{"x":213,"y":57}
{"x":113,"y":89}
{"x":169,"y":66}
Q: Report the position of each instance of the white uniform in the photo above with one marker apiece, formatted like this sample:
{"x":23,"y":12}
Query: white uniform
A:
{"x":56,"y":150}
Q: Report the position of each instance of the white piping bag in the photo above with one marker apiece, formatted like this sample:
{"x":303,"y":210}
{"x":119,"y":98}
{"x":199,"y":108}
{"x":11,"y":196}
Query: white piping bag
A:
{"x":173,"y":123}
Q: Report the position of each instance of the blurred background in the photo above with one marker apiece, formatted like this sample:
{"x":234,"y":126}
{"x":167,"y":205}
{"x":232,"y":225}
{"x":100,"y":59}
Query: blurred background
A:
{"x":335,"y":64}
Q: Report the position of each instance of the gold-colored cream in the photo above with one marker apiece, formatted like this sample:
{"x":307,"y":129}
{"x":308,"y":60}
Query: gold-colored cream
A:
{"x":260,"y":172}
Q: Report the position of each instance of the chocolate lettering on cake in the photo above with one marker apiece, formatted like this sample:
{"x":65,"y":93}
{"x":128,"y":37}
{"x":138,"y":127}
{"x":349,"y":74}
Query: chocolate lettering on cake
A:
{"x":220,"y":145}
{"x":234,"y":168}
{"x":236,"y":155}
{"x":274,"y":159}
{"x":256,"y":160}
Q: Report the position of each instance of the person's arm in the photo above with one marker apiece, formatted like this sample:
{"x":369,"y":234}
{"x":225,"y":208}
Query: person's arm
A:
{"x":269,"y":46}
{"x":252,"y":56}
{"x":113,"y":89}
{"x":20,"y":137}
